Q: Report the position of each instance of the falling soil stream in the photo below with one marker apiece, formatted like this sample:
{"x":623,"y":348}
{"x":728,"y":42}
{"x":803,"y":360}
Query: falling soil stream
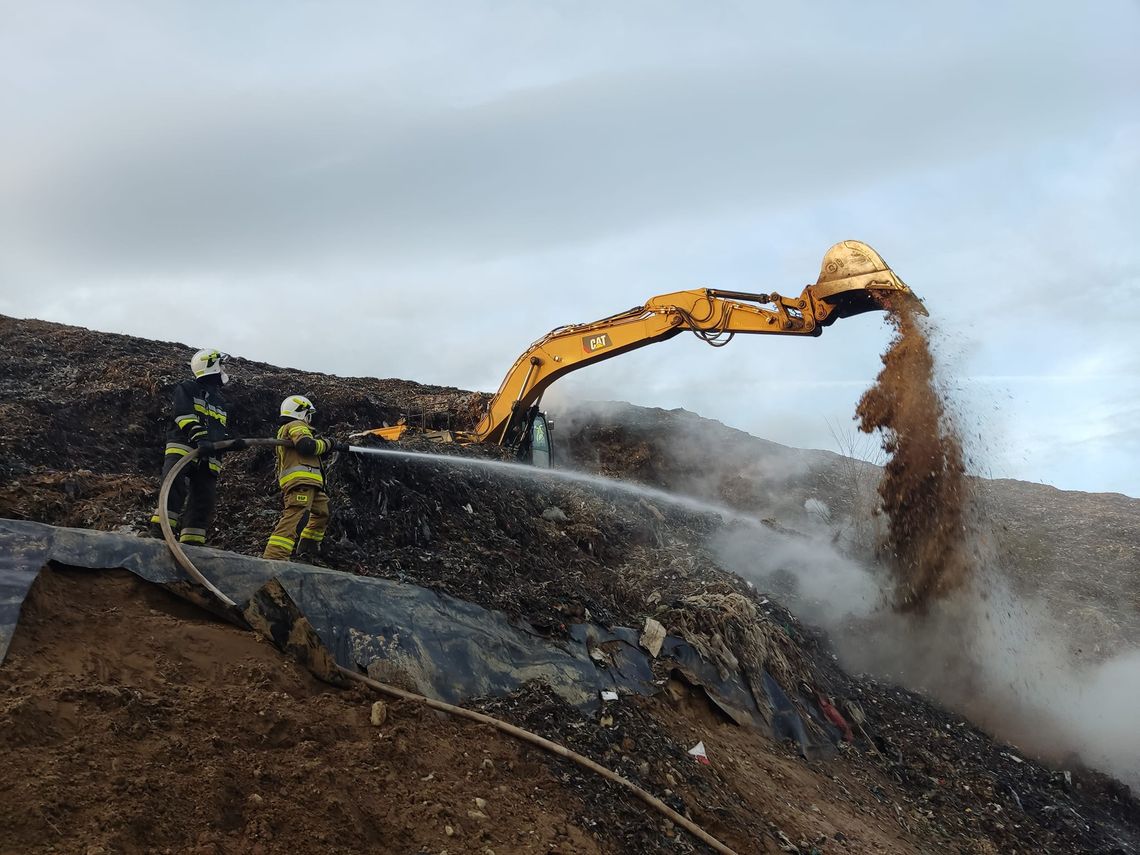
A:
{"x":923,"y":489}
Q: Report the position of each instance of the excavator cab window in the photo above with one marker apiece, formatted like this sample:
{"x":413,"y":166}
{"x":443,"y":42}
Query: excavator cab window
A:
{"x":540,"y":450}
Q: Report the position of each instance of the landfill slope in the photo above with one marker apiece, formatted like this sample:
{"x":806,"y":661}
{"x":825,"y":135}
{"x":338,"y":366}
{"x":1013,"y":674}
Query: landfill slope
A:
{"x":85,"y":415}
{"x":135,"y":722}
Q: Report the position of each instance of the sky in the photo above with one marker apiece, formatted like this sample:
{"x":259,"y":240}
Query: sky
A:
{"x":420,"y":190}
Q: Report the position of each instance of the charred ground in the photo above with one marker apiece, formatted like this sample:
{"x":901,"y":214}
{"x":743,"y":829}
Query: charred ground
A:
{"x":85,"y":420}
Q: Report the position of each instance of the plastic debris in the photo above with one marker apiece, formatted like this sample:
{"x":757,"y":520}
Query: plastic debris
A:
{"x":652,"y":636}
{"x":697,"y":752}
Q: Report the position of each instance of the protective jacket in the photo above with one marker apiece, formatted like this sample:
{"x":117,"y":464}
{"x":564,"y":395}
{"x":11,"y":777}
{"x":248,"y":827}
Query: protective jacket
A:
{"x":299,"y":464}
{"x":199,"y":414}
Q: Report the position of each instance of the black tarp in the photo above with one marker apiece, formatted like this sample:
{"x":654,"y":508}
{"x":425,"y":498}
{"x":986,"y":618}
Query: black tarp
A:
{"x":440,"y":646}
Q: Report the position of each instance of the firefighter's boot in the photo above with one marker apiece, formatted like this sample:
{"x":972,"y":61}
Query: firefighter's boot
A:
{"x":308,"y":551}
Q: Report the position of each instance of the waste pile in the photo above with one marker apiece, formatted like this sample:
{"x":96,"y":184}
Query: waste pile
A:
{"x":85,"y":421}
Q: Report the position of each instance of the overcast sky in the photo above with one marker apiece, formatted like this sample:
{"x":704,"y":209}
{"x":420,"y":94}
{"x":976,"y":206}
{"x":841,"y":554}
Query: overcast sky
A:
{"x":420,"y":190}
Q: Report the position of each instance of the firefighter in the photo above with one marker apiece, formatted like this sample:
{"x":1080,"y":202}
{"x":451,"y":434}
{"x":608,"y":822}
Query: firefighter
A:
{"x":199,"y":421}
{"x":301,"y":478}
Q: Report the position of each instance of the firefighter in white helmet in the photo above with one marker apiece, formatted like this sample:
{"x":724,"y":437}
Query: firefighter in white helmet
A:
{"x":199,"y":420}
{"x":302,"y":481}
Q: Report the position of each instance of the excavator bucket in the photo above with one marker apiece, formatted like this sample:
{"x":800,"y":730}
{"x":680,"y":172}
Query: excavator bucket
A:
{"x":854,"y":279}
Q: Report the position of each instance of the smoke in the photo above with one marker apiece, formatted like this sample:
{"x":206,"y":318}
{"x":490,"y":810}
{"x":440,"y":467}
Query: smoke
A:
{"x":806,"y":574}
{"x":983,"y":651}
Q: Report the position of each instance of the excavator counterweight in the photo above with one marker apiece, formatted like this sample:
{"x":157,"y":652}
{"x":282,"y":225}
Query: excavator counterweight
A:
{"x":853,"y":279}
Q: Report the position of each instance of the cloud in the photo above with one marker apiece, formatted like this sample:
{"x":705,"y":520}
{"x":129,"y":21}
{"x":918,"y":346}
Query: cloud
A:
{"x":285,"y":171}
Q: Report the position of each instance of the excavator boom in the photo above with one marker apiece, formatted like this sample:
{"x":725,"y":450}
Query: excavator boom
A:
{"x":853,"y":279}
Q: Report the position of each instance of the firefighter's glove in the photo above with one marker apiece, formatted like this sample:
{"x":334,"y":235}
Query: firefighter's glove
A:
{"x":206,"y":449}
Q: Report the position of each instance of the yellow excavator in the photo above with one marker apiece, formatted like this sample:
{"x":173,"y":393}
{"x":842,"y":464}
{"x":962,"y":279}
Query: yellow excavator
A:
{"x":853,"y":279}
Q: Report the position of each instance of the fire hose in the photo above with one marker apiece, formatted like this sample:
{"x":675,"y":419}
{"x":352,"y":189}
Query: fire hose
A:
{"x":392,"y":691}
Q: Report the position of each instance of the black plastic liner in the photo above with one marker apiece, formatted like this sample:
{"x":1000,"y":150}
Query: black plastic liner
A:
{"x":422,"y":640}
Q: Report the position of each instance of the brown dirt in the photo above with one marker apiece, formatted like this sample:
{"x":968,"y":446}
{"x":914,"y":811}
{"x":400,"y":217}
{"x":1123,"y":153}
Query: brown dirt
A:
{"x":923,"y":491}
{"x":134,"y":722}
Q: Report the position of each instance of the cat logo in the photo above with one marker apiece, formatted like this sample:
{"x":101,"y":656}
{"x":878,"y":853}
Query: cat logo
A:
{"x":594,"y":343}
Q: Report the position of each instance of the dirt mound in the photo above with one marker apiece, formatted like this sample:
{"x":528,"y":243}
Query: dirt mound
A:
{"x":134,"y":722}
{"x":924,"y":489}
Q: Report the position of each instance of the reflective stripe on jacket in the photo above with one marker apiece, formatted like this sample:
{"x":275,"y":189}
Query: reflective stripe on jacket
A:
{"x":295,"y":468}
{"x":178,"y":449}
{"x":199,"y":413}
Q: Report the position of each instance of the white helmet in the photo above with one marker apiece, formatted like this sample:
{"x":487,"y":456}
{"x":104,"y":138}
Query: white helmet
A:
{"x":207,"y":362}
{"x":298,"y":407}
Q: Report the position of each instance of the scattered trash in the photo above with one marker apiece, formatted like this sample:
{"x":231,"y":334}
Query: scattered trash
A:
{"x":786,"y":844}
{"x":607,"y":695}
{"x":697,"y":752}
{"x":653,"y":636}
{"x":833,"y":715}
{"x":379,"y":713}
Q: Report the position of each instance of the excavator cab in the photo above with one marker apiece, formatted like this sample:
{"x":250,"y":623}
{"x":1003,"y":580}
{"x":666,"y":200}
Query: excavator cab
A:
{"x":530,"y":438}
{"x":541,"y":449}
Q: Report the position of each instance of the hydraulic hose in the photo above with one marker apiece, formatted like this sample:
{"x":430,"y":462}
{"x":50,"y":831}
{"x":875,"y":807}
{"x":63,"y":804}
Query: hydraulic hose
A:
{"x":392,"y":691}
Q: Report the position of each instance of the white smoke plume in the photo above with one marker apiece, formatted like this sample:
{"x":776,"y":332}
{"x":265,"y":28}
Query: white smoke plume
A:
{"x":995,"y":657}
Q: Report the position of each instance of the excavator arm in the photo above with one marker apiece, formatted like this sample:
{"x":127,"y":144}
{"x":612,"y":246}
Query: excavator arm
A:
{"x":853,"y":279}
